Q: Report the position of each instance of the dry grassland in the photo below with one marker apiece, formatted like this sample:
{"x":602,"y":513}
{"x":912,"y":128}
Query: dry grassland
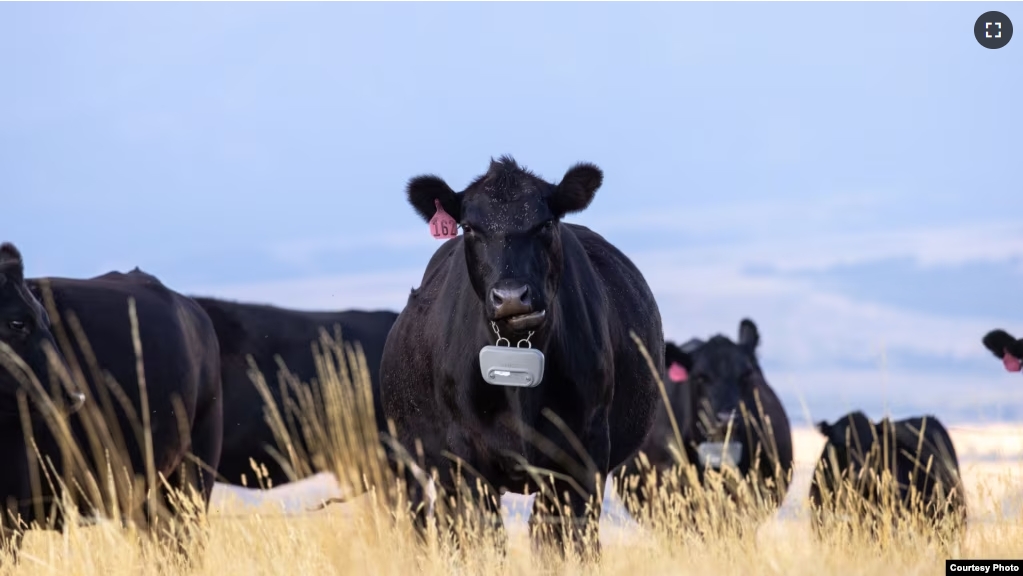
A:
{"x":273,"y":532}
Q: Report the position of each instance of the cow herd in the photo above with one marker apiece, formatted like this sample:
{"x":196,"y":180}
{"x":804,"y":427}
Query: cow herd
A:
{"x":530,"y":359}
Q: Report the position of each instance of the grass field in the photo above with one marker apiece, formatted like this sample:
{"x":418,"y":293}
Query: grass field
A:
{"x":266,"y":532}
{"x":275,"y":532}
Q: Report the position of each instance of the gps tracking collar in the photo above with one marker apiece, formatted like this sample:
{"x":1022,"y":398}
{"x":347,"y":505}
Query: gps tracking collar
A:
{"x":521,"y":366}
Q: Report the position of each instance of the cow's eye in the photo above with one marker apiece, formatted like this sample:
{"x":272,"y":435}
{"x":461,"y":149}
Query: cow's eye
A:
{"x":466,"y":228}
{"x":18,"y":326}
{"x":548,"y":225}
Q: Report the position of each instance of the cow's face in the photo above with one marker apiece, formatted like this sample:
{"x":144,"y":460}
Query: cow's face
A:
{"x":721,"y":373}
{"x":512,"y":234}
{"x":24,"y":328}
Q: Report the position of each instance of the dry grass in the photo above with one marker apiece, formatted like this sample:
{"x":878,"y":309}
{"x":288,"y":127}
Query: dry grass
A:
{"x":345,"y":540}
{"x":362,"y":536}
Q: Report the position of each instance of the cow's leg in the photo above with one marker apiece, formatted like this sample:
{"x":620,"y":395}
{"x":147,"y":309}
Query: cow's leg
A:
{"x":459,"y":493}
{"x":570,"y":509}
{"x":417,"y":484}
{"x":631,"y":482}
{"x":462,"y":504}
{"x":472,"y":507}
{"x":191,"y":485}
{"x":413,"y":462}
{"x":207,"y":446}
{"x":469,"y":505}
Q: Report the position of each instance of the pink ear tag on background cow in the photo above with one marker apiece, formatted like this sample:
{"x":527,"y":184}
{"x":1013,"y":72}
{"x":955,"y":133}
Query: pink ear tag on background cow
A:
{"x":442,"y":225}
{"x":1012,"y":364}
{"x":677,"y":373}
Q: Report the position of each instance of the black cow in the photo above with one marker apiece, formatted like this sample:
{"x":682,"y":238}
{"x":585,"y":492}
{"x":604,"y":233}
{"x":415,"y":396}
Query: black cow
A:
{"x":266,"y":333}
{"x":717,"y":389}
{"x":560,"y":287}
{"x":182,"y":383}
{"x":917,"y":453}
{"x":1006,"y":348}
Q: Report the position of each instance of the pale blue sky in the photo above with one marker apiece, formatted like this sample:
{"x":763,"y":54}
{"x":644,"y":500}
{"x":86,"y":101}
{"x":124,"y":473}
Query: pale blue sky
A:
{"x":846,"y":174}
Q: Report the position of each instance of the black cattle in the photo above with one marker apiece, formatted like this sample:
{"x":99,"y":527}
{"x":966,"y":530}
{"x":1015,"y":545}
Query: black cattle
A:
{"x":1006,"y":348}
{"x":182,"y":384}
{"x":849,"y":485}
{"x":717,"y":391}
{"x":266,"y":333}
{"x":561,"y":287}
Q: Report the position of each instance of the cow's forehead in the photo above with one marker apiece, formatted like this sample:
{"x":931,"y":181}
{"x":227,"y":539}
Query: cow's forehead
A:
{"x":9,"y":292}
{"x":17,"y":295}
{"x":491,"y":207}
{"x":720,"y":353}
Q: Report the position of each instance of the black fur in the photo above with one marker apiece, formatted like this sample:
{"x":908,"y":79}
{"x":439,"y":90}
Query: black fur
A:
{"x":576,"y":189}
{"x":858,"y":450}
{"x":265,"y":333}
{"x":573,"y":194}
{"x":180,"y":357}
{"x":25,"y":328}
{"x":593,"y":296}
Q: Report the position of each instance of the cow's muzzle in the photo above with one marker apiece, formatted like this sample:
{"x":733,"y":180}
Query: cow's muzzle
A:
{"x":512,"y":305}
{"x":523,"y":322}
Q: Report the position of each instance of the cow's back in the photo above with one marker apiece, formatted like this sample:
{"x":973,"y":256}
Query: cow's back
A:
{"x":923,"y":461}
{"x":266,"y":333}
{"x":935,"y":435}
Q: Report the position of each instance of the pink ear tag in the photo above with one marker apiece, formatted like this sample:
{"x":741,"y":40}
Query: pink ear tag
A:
{"x":442,"y":225}
{"x":1012,"y":364}
{"x":677,"y":373}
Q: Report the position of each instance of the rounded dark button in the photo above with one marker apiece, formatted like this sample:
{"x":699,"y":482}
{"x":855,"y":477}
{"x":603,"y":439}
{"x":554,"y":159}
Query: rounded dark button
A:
{"x":993,"y":30}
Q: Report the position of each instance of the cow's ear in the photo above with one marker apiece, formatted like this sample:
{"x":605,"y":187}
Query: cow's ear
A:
{"x":998,"y":342}
{"x":425,"y":191}
{"x":677,"y":362}
{"x":749,"y":336}
{"x":11,"y":265}
{"x":673,"y":353}
{"x":576,"y":189}
{"x":824,"y":428}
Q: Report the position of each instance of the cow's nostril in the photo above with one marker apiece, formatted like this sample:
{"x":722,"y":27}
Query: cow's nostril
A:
{"x":496,"y":298}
